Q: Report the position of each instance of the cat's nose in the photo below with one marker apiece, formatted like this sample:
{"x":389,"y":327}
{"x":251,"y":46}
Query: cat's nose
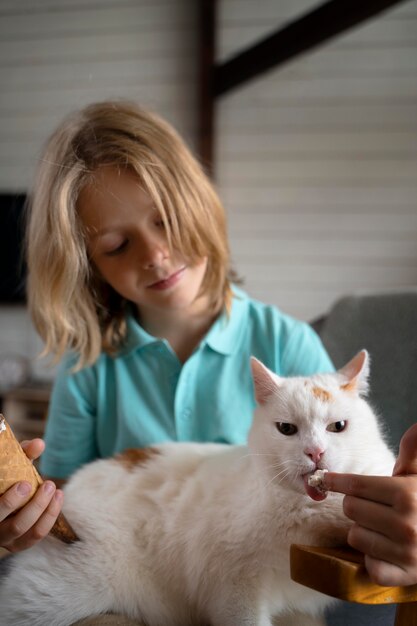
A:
{"x":315,"y":454}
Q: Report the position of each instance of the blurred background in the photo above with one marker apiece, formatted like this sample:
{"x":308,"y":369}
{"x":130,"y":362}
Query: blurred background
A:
{"x":315,"y":160}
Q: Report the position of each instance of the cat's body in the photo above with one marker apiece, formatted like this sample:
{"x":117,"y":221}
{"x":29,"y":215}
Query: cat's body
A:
{"x":199,"y":534}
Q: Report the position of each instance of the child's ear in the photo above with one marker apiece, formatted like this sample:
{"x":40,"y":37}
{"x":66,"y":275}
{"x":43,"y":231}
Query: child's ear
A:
{"x":356,"y":373}
{"x":264,"y":380}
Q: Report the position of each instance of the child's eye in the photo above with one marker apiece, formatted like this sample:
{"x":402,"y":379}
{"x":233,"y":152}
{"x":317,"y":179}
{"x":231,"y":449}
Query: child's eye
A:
{"x":286,"y":429}
{"x":117,"y":250}
{"x":337,"y":427}
{"x":163,"y":223}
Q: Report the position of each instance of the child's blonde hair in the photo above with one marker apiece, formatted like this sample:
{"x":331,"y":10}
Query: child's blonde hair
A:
{"x":70,"y":306}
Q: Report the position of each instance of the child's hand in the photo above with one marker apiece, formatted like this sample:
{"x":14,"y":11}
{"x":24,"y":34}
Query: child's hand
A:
{"x":384,"y":510}
{"x":33,"y":522}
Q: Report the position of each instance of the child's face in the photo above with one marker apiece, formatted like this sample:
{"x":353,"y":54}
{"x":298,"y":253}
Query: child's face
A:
{"x":127,"y":243}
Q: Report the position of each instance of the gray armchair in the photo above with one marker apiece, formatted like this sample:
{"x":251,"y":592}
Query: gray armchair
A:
{"x":386,"y":325}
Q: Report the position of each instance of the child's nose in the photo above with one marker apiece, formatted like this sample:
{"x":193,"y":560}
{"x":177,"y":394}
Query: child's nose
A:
{"x":153,"y":253}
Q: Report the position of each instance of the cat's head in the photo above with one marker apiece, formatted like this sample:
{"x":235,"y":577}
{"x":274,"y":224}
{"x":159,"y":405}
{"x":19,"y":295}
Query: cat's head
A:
{"x":306,"y":423}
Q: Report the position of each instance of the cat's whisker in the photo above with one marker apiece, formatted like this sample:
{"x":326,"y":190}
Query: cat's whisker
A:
{"x":282,"y":468}
{"x":285,"y":467}
{"x":245,"y":456}
{"x":286,"y":462}
{"x":283,"y":473}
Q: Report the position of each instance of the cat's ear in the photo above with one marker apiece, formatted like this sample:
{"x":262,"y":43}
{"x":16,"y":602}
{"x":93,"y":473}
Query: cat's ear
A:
{"x":356,"y":372}
{"x":264,"y":381}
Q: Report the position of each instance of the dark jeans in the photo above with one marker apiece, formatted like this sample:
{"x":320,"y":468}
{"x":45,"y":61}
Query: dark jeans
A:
{"x":350,"y":614}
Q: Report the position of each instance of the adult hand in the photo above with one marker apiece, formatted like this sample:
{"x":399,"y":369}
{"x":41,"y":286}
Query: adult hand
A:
{"x":20,"y":528}
{"x":384,"y":512}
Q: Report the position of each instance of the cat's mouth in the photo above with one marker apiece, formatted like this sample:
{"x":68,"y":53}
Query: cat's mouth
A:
{"x":314,"y":493}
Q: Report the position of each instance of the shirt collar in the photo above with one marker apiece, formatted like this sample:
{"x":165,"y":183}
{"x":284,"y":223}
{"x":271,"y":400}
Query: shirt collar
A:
{"x":137,"y":337}
{"x":223,"y":336}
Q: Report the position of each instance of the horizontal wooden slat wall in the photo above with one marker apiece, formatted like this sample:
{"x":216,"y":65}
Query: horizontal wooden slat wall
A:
{"x":58,"y":56}
{"x":317,"y":160}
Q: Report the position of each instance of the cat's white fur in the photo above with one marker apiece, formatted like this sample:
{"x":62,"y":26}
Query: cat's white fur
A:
{"x":199,"y":534}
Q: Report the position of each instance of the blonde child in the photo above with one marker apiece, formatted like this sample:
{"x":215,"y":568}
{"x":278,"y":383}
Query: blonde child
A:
{"x":131,"y":287}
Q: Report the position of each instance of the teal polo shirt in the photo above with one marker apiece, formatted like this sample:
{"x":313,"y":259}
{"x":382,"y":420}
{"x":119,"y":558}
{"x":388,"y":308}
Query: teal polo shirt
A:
{"x":145,"y":395}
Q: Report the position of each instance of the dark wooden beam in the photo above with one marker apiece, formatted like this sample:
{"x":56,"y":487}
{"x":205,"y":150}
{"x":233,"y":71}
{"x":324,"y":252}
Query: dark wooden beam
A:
{"x":207,"y":51}
{"x":311,"y":30}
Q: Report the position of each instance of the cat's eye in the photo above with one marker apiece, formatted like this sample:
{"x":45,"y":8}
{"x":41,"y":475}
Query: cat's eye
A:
{"x":337,"y":427}
{"x":286,"y":429}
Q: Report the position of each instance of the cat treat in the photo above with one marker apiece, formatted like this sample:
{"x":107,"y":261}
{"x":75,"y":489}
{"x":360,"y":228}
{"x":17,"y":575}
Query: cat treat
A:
{"x":15,"y":467}
{"x":316,"y":480}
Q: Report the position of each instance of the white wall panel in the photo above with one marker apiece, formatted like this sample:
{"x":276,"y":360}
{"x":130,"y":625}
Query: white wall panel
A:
{"x":55,"y":57}
{"x":323,"y":116}
{"x":317,"y":160}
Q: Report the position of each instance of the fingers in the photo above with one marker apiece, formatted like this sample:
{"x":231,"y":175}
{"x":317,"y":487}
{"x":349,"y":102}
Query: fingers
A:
{"x":33,"y":448}
{"x":398,"y":492}
{"x":388,"y":563}
{"x":381,"y":489}
{"x":378,"y":546}
{"x":376,"y":517}
{"x":14,"y":498}
{"x":31,"y":523}
{"x":384,"y":512}
{"x":407,"y":457}
{"x":42,"y":526}
{"x":388,"y":574}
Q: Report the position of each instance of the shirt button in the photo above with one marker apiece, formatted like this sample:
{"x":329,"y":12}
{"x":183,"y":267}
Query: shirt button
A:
{"x":186,"y":413}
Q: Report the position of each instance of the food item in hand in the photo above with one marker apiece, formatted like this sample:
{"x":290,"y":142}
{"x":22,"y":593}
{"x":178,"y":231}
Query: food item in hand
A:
{"x":16,"y":467}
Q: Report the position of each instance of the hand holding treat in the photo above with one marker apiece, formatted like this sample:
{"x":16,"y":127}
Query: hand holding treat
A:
{"x":16,"y":467}
{"x":384,"y":512}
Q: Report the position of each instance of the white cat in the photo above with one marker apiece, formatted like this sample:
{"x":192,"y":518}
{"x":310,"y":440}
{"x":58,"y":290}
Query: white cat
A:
{"x":199,"y":534}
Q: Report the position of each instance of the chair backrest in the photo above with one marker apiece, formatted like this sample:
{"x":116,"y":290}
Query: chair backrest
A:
{"x":386,"y":325}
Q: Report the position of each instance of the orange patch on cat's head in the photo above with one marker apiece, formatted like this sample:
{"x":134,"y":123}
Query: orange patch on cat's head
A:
{"x":350,"y":386}
{"x":322,"y":394}
{"x":132,"y":457}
